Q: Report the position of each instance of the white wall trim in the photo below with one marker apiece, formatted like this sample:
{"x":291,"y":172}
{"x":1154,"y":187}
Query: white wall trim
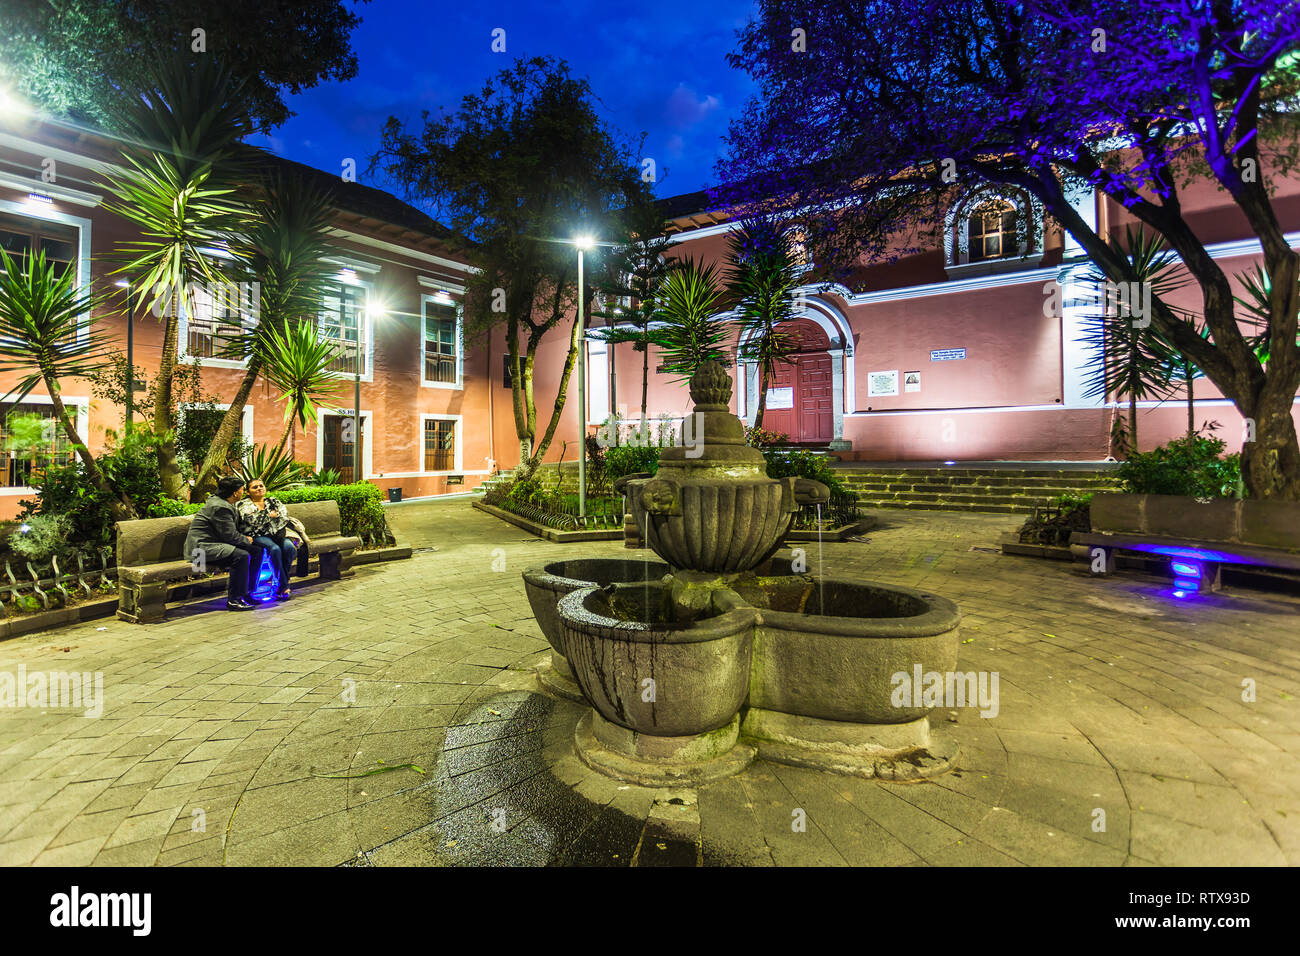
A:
{"x":53,"y":190}
{"x":1055,"y":406}
{"x":403,"y":250}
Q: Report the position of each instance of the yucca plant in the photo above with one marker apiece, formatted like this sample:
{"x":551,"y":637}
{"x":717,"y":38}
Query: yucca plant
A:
{"x":688,"y":300}
{"x":298,"y":360}
{"x":273,"y":466}
{"x":47,"y":333}
{"x":1128,"y":360}
{"x":176,"y":182}
{"x":285,"y":249}
{"x":762,"y":279}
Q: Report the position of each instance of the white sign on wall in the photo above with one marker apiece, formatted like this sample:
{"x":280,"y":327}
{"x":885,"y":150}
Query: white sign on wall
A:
{"x":911,"y":381}
{"x":780,"y":397}
{"x":947,"y":355}
{"x":882,"y":383}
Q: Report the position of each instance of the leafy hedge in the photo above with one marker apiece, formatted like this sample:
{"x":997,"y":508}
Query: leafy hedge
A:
{"x":1194,"y":466}
{"x":360,"y":505}
{"x":361,"y":509}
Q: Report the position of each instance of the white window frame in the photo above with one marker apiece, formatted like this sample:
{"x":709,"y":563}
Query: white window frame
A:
{"x":82,"y":404}
{"x":956,"y":238}
{"x":366,"y":328}
{"x":43,"y":211}
{"x":459,"y":445}
{"x":367,"y":438}
{"x":459,"y":384}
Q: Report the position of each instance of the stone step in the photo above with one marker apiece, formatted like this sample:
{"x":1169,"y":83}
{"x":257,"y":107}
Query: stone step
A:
{"x":973,"y":472}
{"x":1048,"y":491}
{"x":1031,"y":501}
{"x":982,"y":506}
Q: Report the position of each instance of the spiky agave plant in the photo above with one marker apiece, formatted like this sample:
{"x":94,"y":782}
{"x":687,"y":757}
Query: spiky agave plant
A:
{"x":690,"y":336}
{"x":48,"y":333}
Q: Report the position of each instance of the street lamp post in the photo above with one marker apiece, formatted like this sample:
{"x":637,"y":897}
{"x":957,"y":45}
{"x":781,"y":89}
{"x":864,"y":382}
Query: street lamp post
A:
{"x":130,"y":354}
{"x":583,"y":243}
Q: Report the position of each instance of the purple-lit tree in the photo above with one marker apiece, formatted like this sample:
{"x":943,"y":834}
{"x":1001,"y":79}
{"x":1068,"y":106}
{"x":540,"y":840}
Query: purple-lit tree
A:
{"x":876,"y":112}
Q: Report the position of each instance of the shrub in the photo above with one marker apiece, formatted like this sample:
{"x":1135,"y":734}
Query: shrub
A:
{"x":761,"y":437}
{"x":361,"y":508}
{"x":171,"y":508}
{"x":630,"y":459}
{"x":130,"y":463}
{"x":1193,"y":465}
{"x":783,"y":463}
{"x":42,"y":537}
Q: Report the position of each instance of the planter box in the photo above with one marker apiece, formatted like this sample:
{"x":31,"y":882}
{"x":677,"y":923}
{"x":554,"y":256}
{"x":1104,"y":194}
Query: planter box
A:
{"x":550,"y":534}
{"x":1256,"y":524}
{"x":57,"y":617}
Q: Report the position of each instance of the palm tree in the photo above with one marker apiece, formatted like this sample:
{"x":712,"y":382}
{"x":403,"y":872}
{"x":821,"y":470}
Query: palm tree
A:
{"x":687,"y":302}
{"x":285,"y":248}
{"x":177,"y":183}
{"x":46,"y":334}
{"x":298,"y":360}
{"x":762,"y":277}
{"x":1131,"y":360}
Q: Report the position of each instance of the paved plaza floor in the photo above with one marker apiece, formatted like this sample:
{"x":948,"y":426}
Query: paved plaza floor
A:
{"x":1122,"y":735}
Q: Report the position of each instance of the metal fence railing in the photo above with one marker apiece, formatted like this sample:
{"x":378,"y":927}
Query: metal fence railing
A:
{"x":48,"y":581}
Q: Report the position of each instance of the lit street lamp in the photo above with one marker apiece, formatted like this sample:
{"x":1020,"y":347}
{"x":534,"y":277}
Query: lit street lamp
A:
{"x":583,"y":243}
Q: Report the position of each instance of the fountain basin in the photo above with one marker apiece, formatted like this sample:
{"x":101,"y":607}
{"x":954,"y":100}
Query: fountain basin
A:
{"x":546,"y":585}
{"x":821,"y":685}
{"x":655,"y":670}
{"x":838,"y":662}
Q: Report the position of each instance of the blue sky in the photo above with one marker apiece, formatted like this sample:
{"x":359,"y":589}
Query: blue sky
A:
{"x":657,"y":67}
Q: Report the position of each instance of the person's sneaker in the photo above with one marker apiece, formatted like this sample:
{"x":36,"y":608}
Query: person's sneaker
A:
{"x":283,"y":595}
{"x":240,"y":605}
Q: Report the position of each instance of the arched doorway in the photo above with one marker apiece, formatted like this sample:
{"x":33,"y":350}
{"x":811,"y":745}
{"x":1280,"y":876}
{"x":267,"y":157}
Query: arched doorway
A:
{"x":800,"y":399}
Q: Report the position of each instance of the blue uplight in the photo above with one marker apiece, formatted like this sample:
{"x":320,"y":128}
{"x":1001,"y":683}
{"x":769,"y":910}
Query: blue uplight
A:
{"x":1187,"y":569}
{"x":1186,"y":584}
{"x":265,"y":586}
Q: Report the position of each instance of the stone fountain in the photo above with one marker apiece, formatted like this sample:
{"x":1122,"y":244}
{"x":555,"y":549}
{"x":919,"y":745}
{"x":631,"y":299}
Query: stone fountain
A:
{"x":723,"y":652}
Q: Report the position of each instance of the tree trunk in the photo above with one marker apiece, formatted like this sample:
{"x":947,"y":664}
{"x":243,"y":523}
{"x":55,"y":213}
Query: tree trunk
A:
{"x":215,"y":460}
{"x":169,"y":469}
{"x":1270,"y":465}
{"x":764,"y":379}
{"x":119,"y":504}
{"x":561,"y":396}
{"x":1132,"y":424}
{"x":1191,"y":402}
{"x":645,"y":383}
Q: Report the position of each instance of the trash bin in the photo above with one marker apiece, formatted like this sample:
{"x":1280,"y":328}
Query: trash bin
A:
{"x":394,"y":494}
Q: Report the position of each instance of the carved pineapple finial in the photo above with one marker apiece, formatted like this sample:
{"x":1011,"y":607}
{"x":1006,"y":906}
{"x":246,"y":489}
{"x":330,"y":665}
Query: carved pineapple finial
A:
{"x":711,"y":386}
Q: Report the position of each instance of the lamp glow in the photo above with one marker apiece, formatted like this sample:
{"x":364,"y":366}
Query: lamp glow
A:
{"x":584,"y":242}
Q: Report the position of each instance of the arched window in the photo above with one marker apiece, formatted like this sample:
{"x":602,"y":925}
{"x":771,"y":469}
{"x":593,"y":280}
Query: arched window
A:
{"x":991,"y":231}
{"x":994,"y":228}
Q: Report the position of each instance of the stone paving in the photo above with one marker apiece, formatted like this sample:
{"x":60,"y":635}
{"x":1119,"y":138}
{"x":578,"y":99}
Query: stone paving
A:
{"x":246,"y":739}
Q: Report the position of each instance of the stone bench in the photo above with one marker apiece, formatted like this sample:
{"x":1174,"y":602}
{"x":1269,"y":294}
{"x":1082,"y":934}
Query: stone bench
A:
{"x":1198,"y":537}
{"x":150,"y":556}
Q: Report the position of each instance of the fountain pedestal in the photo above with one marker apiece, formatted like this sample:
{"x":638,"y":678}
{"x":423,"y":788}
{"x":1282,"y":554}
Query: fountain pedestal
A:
{"x":651,"y":761}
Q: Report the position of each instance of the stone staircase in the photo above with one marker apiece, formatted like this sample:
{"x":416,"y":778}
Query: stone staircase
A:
{"x":995,"y":491}
{"x":500,"y":478}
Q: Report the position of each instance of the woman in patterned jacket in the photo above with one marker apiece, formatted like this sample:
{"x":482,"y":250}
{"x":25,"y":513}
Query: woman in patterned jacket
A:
{"x":265,"y":519}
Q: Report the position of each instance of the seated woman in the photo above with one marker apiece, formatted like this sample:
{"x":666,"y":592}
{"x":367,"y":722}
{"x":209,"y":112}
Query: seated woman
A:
{"x":265,"y":519}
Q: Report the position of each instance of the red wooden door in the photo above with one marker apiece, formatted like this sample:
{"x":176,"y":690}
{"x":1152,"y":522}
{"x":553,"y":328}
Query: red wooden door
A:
{"x":813,"y":396}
